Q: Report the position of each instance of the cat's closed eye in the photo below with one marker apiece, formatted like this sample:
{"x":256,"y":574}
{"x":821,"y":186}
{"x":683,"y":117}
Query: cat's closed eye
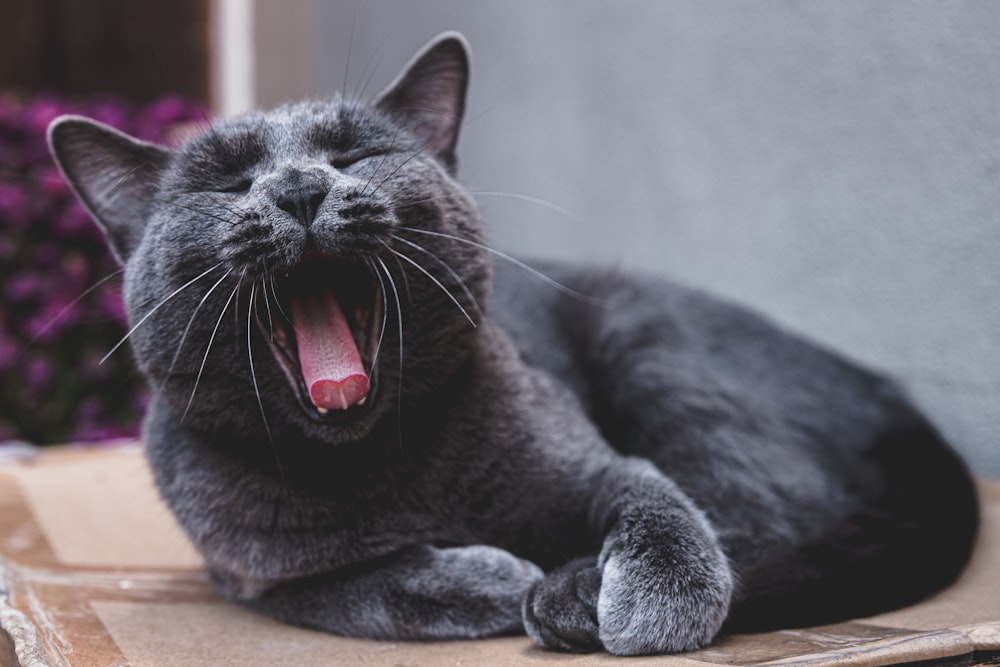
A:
{"x":345,"y":161}
{"x":240,"y":186}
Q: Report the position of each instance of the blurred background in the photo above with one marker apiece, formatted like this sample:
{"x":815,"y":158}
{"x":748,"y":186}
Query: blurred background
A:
{"x":835,"y":165}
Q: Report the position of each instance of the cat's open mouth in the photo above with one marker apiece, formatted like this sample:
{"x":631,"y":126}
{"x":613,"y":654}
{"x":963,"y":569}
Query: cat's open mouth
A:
{"x":325,"y":335}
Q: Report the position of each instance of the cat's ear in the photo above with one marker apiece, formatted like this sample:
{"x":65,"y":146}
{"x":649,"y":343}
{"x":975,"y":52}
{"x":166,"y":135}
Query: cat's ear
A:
{"x":114,"y":175}
{"x":429,"y":95}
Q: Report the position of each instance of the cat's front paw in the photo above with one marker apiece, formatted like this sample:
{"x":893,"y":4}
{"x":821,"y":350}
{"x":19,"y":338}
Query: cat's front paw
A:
{"x":636,"y":604}
{"x":483,"y":585}
{"x":658,"y":602}
{"x":560,"y":611}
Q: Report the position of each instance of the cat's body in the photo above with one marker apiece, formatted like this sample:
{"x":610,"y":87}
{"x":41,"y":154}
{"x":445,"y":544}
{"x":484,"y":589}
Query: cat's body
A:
{"x":624,"y":464}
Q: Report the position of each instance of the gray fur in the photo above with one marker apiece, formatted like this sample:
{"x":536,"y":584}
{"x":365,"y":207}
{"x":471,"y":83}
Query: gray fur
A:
{"x":671,"y":462}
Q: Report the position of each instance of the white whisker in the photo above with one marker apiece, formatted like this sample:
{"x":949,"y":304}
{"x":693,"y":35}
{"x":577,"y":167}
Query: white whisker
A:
{"x":400,"y":166}
{"x":399,"y":318}
{"x":194,"y":314}
{"x":399,"y":385}
{"x":350,"y":48}
{"x":385,"y":312}
{"x":57,"y":316}
{"x":208,"y":349}
{"x":378,"y":167}
{"x":253,"y":372}
{"x":530,"y":269}
{"x":507,"y":195}
{"x":435,"y":281}
{"x":267,"y":305}
{"x":405,"y":279}
{"x":457,"y":278}
{"x":157,"y":307}
{"x":277,"y":302}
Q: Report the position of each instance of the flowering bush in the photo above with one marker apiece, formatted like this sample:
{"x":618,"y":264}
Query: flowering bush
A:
{"x":60,"y":302}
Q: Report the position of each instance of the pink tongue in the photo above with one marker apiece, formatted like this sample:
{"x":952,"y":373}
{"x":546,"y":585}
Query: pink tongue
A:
{"x":331,"y":363}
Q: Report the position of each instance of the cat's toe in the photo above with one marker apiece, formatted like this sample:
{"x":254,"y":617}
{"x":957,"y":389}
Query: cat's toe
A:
{"x":560,"y":611}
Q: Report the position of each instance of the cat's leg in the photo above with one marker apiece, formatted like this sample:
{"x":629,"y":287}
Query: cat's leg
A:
{"x":661,"y":583}
{"x":421,"y":593}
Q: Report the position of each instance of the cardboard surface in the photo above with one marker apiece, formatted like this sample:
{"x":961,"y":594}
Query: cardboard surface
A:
{"x":95,"y":572}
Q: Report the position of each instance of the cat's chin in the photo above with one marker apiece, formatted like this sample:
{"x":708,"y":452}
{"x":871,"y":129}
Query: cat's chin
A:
{"x":323,"y":323}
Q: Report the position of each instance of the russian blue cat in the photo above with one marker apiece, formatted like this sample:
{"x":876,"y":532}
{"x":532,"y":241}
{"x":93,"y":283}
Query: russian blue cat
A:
{"x":367,"y":428}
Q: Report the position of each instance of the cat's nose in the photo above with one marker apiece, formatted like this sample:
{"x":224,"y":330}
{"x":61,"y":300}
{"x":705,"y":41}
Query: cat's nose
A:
{"x":302,"y":202}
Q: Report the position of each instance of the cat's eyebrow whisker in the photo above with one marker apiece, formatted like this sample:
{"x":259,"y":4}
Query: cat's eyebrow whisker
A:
{"x":447,"y":267}
{"x":385,"y":156}
{"x":516,"y":262}
{"x":194,"y":314}
{"x":350,"y":47}
{"x":434,"y":280}
{"x":377,"y":58}
{"x":208,"y":349}
{"x":400,"y":166}
{"x":253,"y":372}
{"x":157,"y":307}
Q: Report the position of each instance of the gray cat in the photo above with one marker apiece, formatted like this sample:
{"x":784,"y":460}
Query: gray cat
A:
{"x":366,"y":428}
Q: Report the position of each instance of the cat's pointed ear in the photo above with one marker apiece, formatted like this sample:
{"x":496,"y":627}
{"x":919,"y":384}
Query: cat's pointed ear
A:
{"x":114,"y":175}
{"x":429,"y":95}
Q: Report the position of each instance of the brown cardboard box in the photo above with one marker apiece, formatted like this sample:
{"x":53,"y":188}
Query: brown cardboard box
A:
{"x":94,"y":572}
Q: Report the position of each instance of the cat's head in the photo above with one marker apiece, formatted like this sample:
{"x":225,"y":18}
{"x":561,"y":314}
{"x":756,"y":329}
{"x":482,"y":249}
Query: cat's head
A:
{"x":315,"y":264}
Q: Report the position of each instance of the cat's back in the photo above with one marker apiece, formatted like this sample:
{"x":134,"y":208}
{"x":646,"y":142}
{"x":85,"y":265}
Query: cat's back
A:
{"x":585,"y":330}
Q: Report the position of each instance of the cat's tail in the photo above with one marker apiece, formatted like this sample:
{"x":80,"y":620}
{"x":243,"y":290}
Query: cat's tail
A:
{"x":913,"y":540}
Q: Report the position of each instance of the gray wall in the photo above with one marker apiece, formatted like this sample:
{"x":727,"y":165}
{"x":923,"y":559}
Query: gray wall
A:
{"x":836,"y":165}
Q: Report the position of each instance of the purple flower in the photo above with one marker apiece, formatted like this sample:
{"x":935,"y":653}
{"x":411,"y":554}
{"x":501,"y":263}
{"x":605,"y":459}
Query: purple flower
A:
{"x":8,"y":352}
{"x":41,"y":113}
{"x":23,"y":287}
{"x":73,"y":221}
{"x":112,"y":304}
{"x":13,"y":205}
{"x":52,"y":182}
{"x":111,"y":114}
{"x":52,"y":320}
{"x":40,"y":371}
{"x":89,"y":410}
{"x":52,"y":329}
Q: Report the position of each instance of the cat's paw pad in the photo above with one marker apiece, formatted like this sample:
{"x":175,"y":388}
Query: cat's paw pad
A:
{"x":560,"y":611}
{"x":645,"y":610}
